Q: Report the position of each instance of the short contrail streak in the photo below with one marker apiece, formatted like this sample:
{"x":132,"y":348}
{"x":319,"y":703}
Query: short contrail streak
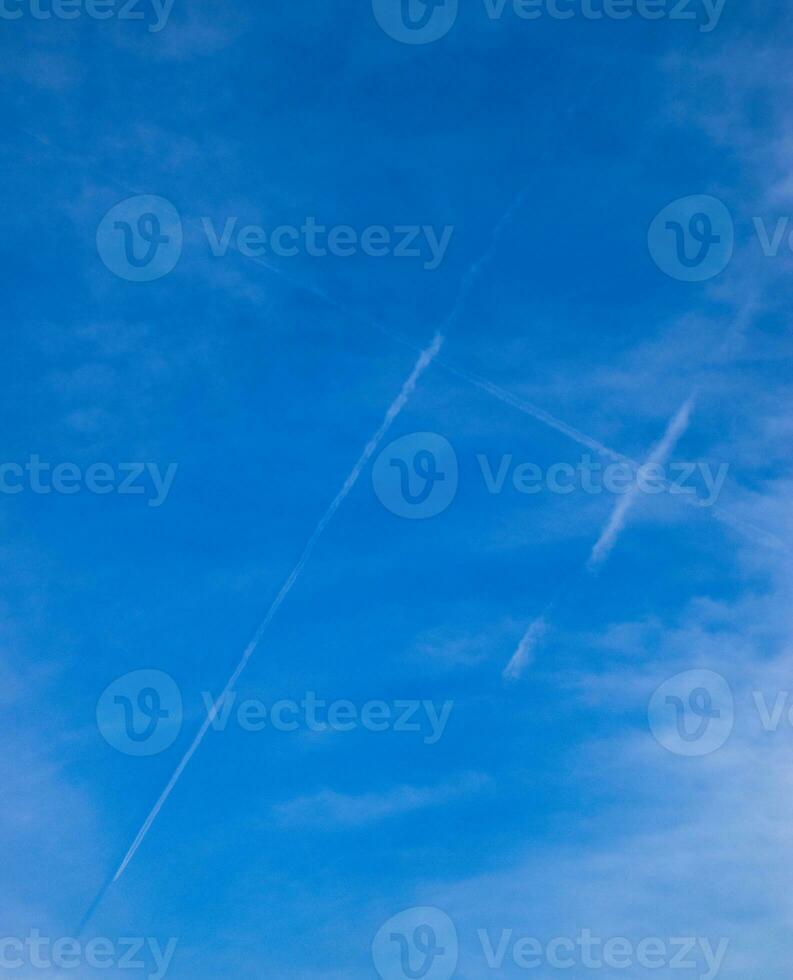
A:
{"x":525,"y":651}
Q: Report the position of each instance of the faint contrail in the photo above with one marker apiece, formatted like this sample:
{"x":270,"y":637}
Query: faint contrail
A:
{"x":475,"y":269}
{"x":538,"y":413}
{"x":602,"y":549}
{"x":751,"y":531}
{"x":525,"y":651}
{"x":425,"y":359}
{"x":756,"y":534}
{"x":677,"y":426}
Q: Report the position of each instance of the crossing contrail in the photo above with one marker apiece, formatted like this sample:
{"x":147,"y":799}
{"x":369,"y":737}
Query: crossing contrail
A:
{"x":752,"y":532}
{"x":677,"y":426}
{"x":425,"y":359}
{"x":531,"y":639}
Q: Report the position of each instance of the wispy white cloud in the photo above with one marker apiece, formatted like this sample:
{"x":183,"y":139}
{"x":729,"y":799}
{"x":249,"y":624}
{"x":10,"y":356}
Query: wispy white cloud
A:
{"x":331,"y":808}
{"x":692,"y":847}
{"x":49,"y":825}
{"x":459,"y":647}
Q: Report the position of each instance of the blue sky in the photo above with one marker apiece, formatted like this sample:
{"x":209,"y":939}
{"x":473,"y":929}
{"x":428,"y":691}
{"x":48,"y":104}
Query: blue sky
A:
{"x":545,"y":806}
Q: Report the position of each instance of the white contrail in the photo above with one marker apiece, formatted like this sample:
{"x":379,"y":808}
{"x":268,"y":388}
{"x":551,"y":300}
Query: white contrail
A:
{"x":677,"y":426}
{"x":751,"y":531}
{"x":525,"y":652}
{"x":538,"y":413}
{"x":476,"y":267}
{"x":425,"y":359}
{"x":608,"y":538}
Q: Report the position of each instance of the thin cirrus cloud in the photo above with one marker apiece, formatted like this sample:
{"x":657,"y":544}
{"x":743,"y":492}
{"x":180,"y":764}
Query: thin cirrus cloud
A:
{"x":329,"y":808}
